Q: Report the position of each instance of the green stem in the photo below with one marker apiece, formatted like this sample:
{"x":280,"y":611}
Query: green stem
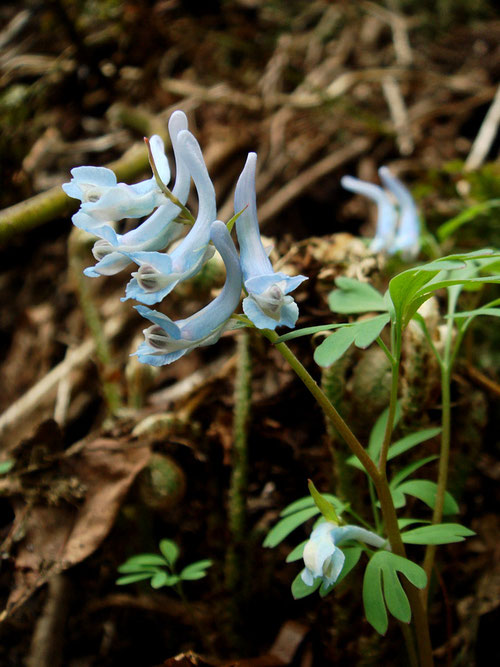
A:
{"x":168,"y":193}
{"x":373,"y":501}
{"x":354,"y":445}
{"x":385,"y":349}
{"x":380,"y":482}
{"x":445,"y":364}
{"x":333,"y":384}
{"x":238,"y":485}
{"x":393,"y":401}
{"x":444,"y":461}
{"x":106,"y":367}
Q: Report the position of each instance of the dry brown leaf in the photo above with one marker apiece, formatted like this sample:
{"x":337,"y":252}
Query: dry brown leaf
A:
{"x":57,"y":537}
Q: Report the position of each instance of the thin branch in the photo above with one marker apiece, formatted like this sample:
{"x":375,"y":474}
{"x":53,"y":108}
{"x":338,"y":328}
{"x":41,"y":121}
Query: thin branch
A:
{"x":486,"y":135}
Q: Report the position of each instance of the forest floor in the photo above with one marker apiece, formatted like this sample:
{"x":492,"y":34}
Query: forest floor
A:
{"x":102,"y":458}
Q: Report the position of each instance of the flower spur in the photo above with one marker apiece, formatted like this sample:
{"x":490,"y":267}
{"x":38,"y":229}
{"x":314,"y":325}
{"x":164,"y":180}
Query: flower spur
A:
{"x":157,"y":231}
{"x":166,"y":341}
{"x":159,"y":273}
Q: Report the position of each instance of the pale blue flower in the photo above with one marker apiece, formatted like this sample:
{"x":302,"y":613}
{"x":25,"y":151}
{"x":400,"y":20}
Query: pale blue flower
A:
{"x":156,"y":232}
{"x":267,"y":304}
{"x":408,"y":231}
{"x":387,"y":214}
{"x":159,"y":273}
{"x":398,"y":224}
{"x":322,"y":555}
{"x":166,"y":341}
{"x":105,"y":200}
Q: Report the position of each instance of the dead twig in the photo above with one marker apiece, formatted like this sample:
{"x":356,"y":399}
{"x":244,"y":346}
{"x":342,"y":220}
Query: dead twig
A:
{"x":486,"y":135}
{"x":46,"y":386}
{"x":399,"y":115}
{"x":296,"y":187}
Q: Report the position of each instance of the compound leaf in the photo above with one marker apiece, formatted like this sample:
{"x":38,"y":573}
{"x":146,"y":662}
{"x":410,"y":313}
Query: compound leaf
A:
{"x":382,"y":587}
{"x":442,"y":533}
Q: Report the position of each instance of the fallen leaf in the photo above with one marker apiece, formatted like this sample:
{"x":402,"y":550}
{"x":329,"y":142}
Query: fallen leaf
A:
{"x":57,"y":537}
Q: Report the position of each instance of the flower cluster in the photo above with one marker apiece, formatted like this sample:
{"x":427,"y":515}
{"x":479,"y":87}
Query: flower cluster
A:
{"x":104,"y":202}
{"x":398,"y":224}
{"x":322,"y":556}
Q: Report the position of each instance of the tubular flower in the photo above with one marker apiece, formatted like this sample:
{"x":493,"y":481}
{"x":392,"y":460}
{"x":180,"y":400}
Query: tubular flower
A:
{"x":387,"y":215}
{"x":166,"y":341}
{"x":398,"y":225}
{"x":104,"y":200}
{"x":322,"y":556}
{"x":268,"y":303}
{"x":156,"y":232}
{"x":408,"y":231}
{"x":159,"y":273}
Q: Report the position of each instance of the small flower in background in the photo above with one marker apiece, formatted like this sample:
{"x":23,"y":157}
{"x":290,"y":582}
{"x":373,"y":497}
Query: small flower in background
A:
{"x":398,"y":225}
{"x":159,"y":273}
{"x":166,"y":341}
{"x":322,"y":556}
{"x":267,"y":304}
{"x":387,"y":215}
{"x":408,"y":231}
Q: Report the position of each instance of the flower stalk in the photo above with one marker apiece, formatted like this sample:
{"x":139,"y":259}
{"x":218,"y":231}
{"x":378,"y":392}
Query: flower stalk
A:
{"x":238,"y":484}
{"x":379,"y":479}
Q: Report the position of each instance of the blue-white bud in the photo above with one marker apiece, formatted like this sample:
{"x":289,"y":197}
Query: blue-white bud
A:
{"x":267,"y":304}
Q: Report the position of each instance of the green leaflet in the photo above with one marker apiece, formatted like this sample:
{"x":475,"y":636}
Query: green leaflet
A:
{"x":6,"y":466}
{"x":302,"y":590}
{"x":144,"y":560}
{"x":407,"y":521}
{"x":297,"y":553}
{"x":382,"y":588}
{"x":130,"y":568}
{"x":159,"y":579}
{"x":195,"y":570}
{"x":132,"y":578}
{"x":409,"y":470}
{"x":353,"y":296}
{"x":362,"y":333}
{"x":352,"y":556}
{"x":376,"y":437}
{"x":170,"y":550}
{"x":333,"y":347}
{"x":442,"y":533}
{"x":284,"y":527}
{"x":411,"y":288}
{"x":491,"y":312}
{"x":410,"y":441}
{"x":307,"y":331}
{"x":425,"y":491}
{"x":450,"y":227}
